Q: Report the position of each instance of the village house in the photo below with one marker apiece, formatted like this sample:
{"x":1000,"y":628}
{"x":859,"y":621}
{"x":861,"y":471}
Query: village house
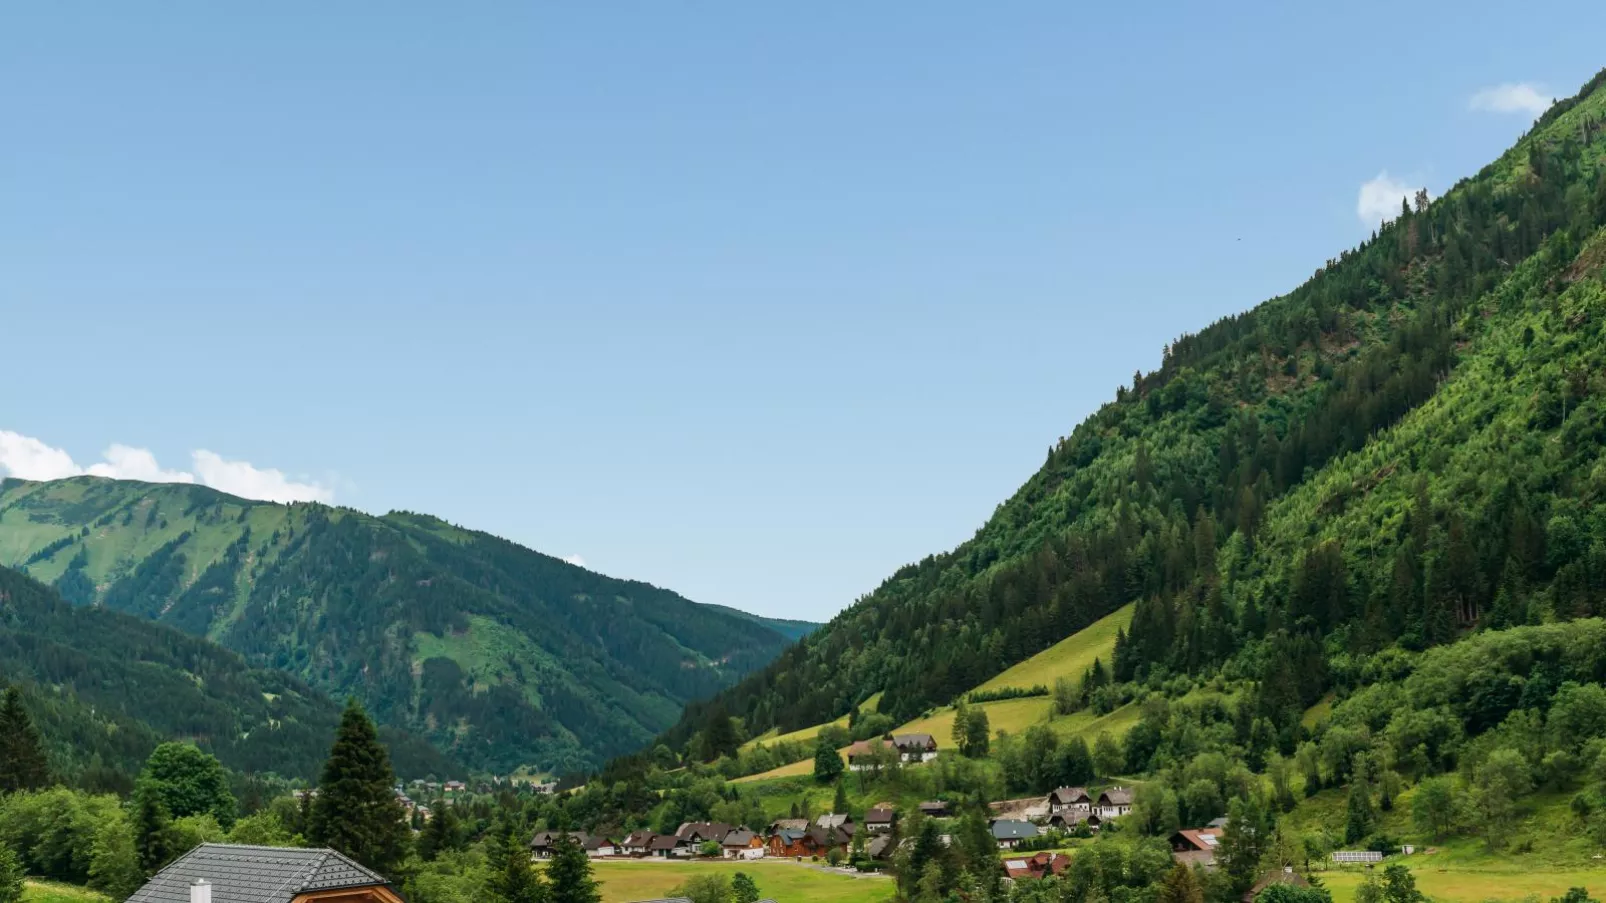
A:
{"x":668,"y":846}
{"x":233,"y":873}
{"x":544,"y":843}
{"x":833,"y":820}
{"x":1114,"y":803}
{"x":881,"y":848}
{"x":1071,"y":821}
{"x":1196,"y":846}
{"x":1038,"y":865}
{"x":787,"y":824}
{"x":935,"y":809}
{"x":639,"y":843}
{"x":697,"y":833}
{"x":742,"y":844}
{"x":1070,"y":801}
{"x":597,"y":846}
{"x":1010,"y":832}
{"x":911,"y":749}
{"x":879,"y":819}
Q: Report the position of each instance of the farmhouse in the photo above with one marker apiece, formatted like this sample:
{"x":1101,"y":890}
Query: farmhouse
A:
{"x":639,"y":843}
{"x":1009,"y":833}
{"x":700,"y":832}
{"x":935,"y":809}
{"x":1196,"y":846}
{"x":910,"y":749}
{"x":1070,"y":801}
{"x":1039,"y":865}
{"x":597,"y":846}
{"x":544,"y":843}
{"x":742,"y":844}
{"x":233,"y":873}
{"x":1114,"y":803}
{"x":668,"y":846}
{"x":879,"y":819}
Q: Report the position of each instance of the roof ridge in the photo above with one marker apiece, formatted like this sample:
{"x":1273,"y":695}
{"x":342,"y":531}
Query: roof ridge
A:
{"x":300,"y":879}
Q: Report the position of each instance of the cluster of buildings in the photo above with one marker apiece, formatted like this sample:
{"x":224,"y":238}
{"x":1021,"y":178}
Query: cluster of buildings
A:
{"x":909,"y":749}
{"x":785,"y":838}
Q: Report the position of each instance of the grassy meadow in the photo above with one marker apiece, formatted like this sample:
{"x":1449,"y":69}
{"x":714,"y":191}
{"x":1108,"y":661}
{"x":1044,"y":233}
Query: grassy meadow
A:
{"x":786,"y":881}
{"x":51,"y":892}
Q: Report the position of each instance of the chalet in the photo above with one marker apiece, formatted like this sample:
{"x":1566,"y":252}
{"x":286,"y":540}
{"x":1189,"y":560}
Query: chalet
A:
{"x":866,"y":754}
{"x":843,"y":822}
{"x":1038,"y":865}
{"x":915,"y":748}
{"x":1009,"y":833}
{"x":879,"y":819}
{"x":935,"y":809}
{"x":881,"y":848}
{"x":232,"y":873}
{"x":789,"y":842}
{"x":1070,"y":801}
{"x":742,"y":844}
{"x":544,"y":843}
{"x":668,"y":846}
{"x":639,"y":843}
{"x":787,"y":824}
{"x":1287,"y":877}
{"x":597,"y":846}
{"x":1072,"y":821}
{"x":1196,"y":846}
{"x":1114,"y":803}
{"x":700,"y":832}
{"x":455,"y":787}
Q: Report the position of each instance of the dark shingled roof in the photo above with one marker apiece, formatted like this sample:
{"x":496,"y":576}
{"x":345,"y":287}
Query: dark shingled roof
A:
{"x":247,"y":874}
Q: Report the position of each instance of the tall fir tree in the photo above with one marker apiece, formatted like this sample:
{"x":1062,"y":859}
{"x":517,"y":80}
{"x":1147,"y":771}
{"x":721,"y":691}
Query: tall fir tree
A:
{"x":569,"y":875}
{"x":22,"y":756}
{"x":153,"y":831}
{"x":439,"y":834}
{"x":356,"y":811}
{"x":512,"y":879}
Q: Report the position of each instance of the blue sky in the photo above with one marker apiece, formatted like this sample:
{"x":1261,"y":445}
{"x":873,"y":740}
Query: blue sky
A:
{"x":753,"y":301}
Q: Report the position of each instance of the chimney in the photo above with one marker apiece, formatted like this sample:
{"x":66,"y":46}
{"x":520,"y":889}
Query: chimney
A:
{"x":201,"y":891}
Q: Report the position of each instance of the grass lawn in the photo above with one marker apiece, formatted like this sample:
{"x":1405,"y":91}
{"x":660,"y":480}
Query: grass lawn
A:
{"x":786,"y":881}
{"x":50,"y":892}
{"x":1475,"y":885}
{"x":1069,"y":657}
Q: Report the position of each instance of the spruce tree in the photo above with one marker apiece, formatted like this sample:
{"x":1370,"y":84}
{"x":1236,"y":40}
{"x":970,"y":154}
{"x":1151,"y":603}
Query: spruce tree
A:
{"x":512,"y":879}
{"x":570,"y":874}
{"x":153,"y":831}
{"x":743,"y":889}
{"x":22,"y":755}
{"x":356,"y":811}
{"x":439,"y":834}
{"x":827,"y":761}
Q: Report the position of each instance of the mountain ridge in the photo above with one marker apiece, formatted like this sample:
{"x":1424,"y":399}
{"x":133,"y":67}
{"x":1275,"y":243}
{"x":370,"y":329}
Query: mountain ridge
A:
{"x":503,"y":656}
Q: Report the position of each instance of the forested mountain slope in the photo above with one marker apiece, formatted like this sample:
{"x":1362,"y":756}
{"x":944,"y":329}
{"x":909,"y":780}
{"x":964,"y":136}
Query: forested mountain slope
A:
{"x":503,"y":657}
{"x":1403,"y":448}
{"x":105,"y":688}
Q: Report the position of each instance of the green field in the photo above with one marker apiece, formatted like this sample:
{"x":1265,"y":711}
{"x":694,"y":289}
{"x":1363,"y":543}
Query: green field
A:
{"x":785,"y":881}
{"x":1069,"y":657}
{"x":50,"y":892}
{"x":1475,"y":885}
{"x":808,"y":733}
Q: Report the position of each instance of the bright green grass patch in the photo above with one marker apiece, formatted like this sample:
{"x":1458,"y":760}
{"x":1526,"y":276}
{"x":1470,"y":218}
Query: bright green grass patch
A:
{"x":1318,"y":713}
{"x":805,"y":734}
{"x":1474,"y":885}
{"x":786,"y":881}
{"x":51,"y":892}
{"x":1069,"y":657}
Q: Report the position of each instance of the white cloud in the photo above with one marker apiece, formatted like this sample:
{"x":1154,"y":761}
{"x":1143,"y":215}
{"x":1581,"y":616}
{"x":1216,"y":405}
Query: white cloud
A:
{"x":125,"y":463}
{"x":1380,"y":199}
{"x":575,"y":560}
{"x":242,"y":479}
{"x":1512,"y":97}
{"x":30,"y":459}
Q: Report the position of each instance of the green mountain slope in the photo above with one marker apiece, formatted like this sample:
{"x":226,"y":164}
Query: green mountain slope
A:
{"x":502,"y":656}
{"x":1403,"y":448}
{"x":105,"y":688}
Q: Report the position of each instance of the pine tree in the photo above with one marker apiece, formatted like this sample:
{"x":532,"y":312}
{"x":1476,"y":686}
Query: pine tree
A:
{"x":356,"y":812}
{"x":439,"y":834}
{"x":22,"y":756}
{"x":827,"y":761}
{"x":153,"y":832}
{"x":1180,"y":886}
{"x":839,"y":801}
{"x":1359,"y":819}
{"x":512,"y":879}
{"x":570,"y":874}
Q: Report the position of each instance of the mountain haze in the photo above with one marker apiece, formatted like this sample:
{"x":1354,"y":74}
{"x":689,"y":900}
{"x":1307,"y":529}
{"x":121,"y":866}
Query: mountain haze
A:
{"x":1404,"y":448}
{"x":501,"y":656}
